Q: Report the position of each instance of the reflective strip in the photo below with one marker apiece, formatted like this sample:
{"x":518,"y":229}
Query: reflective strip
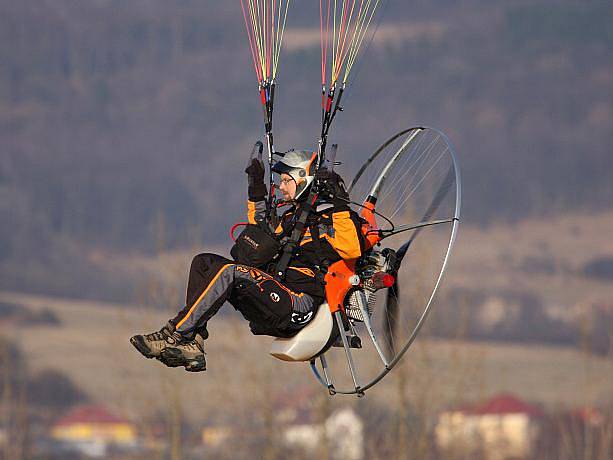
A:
{"x":191,"y":310}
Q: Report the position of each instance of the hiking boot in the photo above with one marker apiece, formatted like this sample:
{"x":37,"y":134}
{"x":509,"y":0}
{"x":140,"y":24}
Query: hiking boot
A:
{"x":171,"y":348}
{"x":188,"y":353}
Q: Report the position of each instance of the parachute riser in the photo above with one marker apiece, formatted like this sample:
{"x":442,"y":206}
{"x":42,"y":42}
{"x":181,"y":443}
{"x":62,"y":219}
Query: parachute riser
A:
{"x":330,"y":106}
{"x":267,"y":98}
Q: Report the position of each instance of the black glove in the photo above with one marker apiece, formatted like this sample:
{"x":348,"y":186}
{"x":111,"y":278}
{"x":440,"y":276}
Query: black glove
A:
{"x":332,"y":188}
{"x":255,"y":172}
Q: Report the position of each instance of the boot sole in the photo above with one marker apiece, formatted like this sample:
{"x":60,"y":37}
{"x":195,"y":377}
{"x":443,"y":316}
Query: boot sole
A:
{"x":173,"y":357}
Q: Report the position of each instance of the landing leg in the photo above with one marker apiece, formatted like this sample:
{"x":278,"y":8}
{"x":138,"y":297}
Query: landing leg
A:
{"x":341,"y":328}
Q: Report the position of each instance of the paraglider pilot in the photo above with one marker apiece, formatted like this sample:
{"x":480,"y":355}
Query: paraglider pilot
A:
{"x":273,"y":306}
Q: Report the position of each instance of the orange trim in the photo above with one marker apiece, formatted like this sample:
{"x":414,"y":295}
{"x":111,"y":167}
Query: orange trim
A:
{"x":285,"y":288}
{"x":267,"y":277}
{"x":367,"y":213}
{"x":304,"y":271}
{"x":251,"y":212}
{"x":289,"y":291}
{"x":191,"y":310}
{"x":305,"y":240}
{"x":308,"y":168}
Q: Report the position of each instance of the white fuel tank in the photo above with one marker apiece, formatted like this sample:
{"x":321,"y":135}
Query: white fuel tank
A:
{"x":309,"y":341}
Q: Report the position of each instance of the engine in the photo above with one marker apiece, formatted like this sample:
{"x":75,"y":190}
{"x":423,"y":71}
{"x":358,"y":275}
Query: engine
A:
{"x":374,"y":270}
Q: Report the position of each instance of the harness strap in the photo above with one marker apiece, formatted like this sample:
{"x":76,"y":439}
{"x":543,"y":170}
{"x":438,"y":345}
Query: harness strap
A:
{"x":322,"y":264}
{"x":302,"y":215}
{"x":297,"y":232}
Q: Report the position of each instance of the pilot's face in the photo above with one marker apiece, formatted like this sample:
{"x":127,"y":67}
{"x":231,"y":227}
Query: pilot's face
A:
{"x":287,"y":185}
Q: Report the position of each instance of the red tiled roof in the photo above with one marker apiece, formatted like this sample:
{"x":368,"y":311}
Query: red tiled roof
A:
{"x":89,"y":414}
{"x":504,"y":404}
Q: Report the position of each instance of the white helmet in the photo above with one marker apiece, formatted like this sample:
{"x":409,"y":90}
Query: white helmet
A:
{"x":300,"y":166}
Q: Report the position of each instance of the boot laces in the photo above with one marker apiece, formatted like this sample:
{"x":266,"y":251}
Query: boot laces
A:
{"x":161,"y":335}
{"x":164,"y":335}
{"x":192,"y":345}
{"x":154,"y":336}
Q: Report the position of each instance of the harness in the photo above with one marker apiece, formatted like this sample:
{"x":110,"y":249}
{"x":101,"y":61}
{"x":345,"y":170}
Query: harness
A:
{"x":311,"y":220}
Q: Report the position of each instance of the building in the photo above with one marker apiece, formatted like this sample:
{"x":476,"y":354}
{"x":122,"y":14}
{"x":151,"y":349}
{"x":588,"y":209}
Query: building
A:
{"x":503,"y":427}
{"x":342,"y":431}
{"x":215,"y":436}
{"x":300,"y":429}
{"x":92,"y":430}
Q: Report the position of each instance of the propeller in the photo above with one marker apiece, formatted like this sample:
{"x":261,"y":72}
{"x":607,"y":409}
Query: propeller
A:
{"x":391,"y":316}
{"x":390,"y":329}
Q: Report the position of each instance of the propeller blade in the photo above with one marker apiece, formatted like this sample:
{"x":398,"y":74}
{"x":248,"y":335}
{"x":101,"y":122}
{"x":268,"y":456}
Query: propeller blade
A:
{"x":391,"y":301}
{"x":390,"y":326}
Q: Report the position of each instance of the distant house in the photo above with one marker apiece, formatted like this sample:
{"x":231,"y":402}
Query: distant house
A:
{"x":503,"y":427}
{"x":299,"y":429}
{"x":93,"y":429}
{"x":343,"y":431}
{"x":215,"y":436}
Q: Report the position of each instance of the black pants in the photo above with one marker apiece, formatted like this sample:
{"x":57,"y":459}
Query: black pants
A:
{"x":270,"y":307}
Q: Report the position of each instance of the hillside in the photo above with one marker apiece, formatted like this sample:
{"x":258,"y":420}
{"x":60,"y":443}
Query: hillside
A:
{"x":533,"y":281}
{"x":123,"y":123}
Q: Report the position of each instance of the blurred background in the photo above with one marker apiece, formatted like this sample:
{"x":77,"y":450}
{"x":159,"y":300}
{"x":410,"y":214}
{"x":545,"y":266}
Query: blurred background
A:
{"x":125,"y":127}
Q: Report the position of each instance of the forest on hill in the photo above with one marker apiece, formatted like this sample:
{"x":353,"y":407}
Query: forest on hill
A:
{"x":125,"y":126}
